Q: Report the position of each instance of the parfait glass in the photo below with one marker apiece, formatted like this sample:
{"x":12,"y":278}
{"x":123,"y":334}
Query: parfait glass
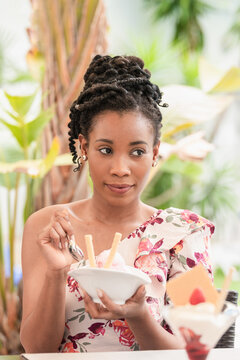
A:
{"x":200,"y":326}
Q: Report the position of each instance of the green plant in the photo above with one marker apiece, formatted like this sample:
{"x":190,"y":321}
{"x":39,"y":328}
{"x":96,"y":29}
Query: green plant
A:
{"x":22,"y":148}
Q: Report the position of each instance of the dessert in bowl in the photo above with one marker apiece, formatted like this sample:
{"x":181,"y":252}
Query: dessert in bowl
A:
{"x":200,"y":326}
{"x":109,"y":273}
{"x":119,"y":285}
{"x":198,"y":313}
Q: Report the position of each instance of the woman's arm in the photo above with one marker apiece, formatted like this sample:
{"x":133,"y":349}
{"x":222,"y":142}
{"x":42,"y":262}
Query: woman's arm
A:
{"x":152,"y":336}
{"x":45,"y":268}
{"x":148,"y":333}
{"x":42,"y":330}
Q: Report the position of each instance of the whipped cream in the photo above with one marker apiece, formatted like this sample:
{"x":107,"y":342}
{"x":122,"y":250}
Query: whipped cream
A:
{"x":201,"y":319}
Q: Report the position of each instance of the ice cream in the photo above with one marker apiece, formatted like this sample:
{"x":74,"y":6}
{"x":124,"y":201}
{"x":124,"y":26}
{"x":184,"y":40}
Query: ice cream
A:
{"x":199,"y":323}
{"x":118,"y":262}
{"x":194,"y":313}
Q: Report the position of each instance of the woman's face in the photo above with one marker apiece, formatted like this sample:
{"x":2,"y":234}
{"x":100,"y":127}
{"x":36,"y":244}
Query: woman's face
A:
{"x":120,"y":153}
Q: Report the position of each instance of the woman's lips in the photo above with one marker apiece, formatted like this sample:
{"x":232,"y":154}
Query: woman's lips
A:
{"x":120,"y":189}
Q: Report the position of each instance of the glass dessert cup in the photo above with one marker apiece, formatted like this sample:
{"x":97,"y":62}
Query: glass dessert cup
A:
{"x":200,"y":326}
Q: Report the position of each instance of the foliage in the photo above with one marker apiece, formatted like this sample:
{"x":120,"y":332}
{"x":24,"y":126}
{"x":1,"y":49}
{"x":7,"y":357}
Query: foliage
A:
{"x":233,"y":35}
{"x":185,"y":14}
{"x":26,"y":134}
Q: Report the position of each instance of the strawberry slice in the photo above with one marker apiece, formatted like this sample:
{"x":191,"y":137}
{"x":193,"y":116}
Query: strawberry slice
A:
{"x":197,"y":297}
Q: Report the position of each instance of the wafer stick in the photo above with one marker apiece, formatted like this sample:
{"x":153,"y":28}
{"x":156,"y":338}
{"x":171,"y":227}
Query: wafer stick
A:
{"x":90,"y":250}
{"x":116,"y":240}
{"x":224,"y":290}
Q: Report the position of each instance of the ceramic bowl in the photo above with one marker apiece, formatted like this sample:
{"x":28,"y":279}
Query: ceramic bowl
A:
{"x":118,"y":285}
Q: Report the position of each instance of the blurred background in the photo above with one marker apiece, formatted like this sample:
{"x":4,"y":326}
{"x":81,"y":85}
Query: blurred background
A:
{"x":192,"y":50}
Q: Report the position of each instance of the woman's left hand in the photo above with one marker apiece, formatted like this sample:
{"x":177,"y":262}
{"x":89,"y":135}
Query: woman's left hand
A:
{"x":134,"y":307}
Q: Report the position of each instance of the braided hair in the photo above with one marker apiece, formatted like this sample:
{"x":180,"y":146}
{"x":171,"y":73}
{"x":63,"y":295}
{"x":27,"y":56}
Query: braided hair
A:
{"x":119,"y":84}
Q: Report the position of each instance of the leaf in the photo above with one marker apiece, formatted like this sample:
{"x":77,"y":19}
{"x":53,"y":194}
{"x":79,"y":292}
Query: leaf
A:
{"x":16,"y":131}
{"x":79,"y":310}
{"x":174,"y":166}
{"x":73,"y":318}
{"x":82,"y":318}
{"x":229,"y":82}
{"x":63,"y":159}
{"x":48,"y":162}
{"x":176,"y":225}
{"x":169,"y":218}
{"x":190,"y":106}
{"x":86,"y":343}
{"x":216,"y":80}
{"x":182,"y":259}
{"x":36,"y":126}
{"x":20,"y":104}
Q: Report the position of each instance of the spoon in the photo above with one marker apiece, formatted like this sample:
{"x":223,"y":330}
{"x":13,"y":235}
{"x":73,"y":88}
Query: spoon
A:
{"x":75,"y":250}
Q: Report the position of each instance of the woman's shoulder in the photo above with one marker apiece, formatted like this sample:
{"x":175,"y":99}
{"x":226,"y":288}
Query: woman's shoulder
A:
{"x":43,"y":216}
{"x":185,"y":218}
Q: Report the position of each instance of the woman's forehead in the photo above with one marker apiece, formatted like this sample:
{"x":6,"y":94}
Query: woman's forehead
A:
{"x":124,"y":123}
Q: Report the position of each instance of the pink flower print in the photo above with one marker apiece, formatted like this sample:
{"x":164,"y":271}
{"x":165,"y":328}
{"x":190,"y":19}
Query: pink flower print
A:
{"x":76,"y":337}
{"x":145,"y":245}
{"x":72,"y":284}
{"x":189,"y":217}
{"x":199,"y":257}
{"x":97,"y":328}
{"x":176,"y":248}
{"x":74,"y":287}
{"x":157,"y":220}
{"x":157,"y":245}
{"x":191,"y":263}
{"x":69,"y":348}
{"x":211,"y":227}
{"x":126,"y":336}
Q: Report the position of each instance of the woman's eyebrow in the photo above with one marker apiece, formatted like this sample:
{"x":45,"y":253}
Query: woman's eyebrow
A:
{"x":138,"y":142}
{"x":104,"y":140}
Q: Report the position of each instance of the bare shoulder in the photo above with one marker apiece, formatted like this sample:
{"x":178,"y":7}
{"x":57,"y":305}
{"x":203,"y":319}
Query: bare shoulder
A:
{"x":42,"y":217}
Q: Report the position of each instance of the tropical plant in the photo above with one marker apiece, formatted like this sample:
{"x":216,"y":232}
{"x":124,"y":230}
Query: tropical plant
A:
{"x":64,"y":35}
{"x":185,"y":15}
{"x":21,"y":149}
{"x":205,"y":187}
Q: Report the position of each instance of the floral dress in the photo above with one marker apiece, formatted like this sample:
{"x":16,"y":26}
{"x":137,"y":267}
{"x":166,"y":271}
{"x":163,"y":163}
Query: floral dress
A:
{"x":172,"y":241}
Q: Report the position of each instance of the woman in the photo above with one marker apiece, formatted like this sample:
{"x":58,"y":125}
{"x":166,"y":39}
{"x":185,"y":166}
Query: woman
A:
{"x":116,"y":122}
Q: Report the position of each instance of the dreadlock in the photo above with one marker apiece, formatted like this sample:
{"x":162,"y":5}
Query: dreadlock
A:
{"x":119,"y":84}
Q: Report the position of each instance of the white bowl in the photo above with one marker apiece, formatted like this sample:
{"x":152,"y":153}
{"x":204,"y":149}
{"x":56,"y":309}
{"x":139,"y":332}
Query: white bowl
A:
{"x":118,"y":285}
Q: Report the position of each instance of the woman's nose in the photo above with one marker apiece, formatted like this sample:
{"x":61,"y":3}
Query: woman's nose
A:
{"x":120,"y":167}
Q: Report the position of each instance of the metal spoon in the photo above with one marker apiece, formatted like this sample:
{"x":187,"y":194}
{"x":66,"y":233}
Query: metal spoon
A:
{"x":75,"y":250}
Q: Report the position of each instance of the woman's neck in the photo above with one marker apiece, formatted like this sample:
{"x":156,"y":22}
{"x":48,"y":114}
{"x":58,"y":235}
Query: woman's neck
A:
{"x":107,"y":213}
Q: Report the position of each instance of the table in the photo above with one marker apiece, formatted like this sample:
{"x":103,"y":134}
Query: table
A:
{"x":215,"y":354}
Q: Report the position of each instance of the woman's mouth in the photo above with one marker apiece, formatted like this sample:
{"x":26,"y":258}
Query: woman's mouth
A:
{"x":119,"y":188}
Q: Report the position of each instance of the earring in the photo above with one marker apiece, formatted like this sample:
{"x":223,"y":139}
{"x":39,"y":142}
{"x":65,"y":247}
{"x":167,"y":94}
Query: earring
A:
{"x":84,"y":157}
{"x":155,"y":163}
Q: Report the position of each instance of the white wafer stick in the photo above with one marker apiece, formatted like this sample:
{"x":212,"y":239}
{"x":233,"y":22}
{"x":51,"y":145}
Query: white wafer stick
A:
{"x":224,"y":290}
{"x":90,"y":250}
{"x":116,"y":240}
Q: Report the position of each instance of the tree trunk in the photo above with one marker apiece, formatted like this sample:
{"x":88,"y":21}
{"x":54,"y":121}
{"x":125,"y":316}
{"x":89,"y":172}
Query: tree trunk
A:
{"x":67,"y":34}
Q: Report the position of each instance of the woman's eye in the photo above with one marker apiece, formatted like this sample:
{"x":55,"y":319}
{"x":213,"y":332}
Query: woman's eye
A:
{"x":138,"y":152}
{"x":105,"y":151}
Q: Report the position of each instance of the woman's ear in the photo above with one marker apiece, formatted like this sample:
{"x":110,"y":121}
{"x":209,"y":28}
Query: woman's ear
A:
{"x":156,"y":151}
{"x":83,"y":144}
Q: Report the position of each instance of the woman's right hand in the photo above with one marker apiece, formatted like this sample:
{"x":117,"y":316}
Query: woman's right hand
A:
{"x":53,"y":241}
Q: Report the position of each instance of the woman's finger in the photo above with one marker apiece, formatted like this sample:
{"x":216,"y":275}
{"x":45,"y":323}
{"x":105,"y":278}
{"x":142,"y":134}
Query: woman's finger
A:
{"x":90,"y":306}
{"x":62,"y":234}
{"x":66,"y":225}
{"x":139,"y":295}
{"x":54,"y":237}
{"x":113,"y":308}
